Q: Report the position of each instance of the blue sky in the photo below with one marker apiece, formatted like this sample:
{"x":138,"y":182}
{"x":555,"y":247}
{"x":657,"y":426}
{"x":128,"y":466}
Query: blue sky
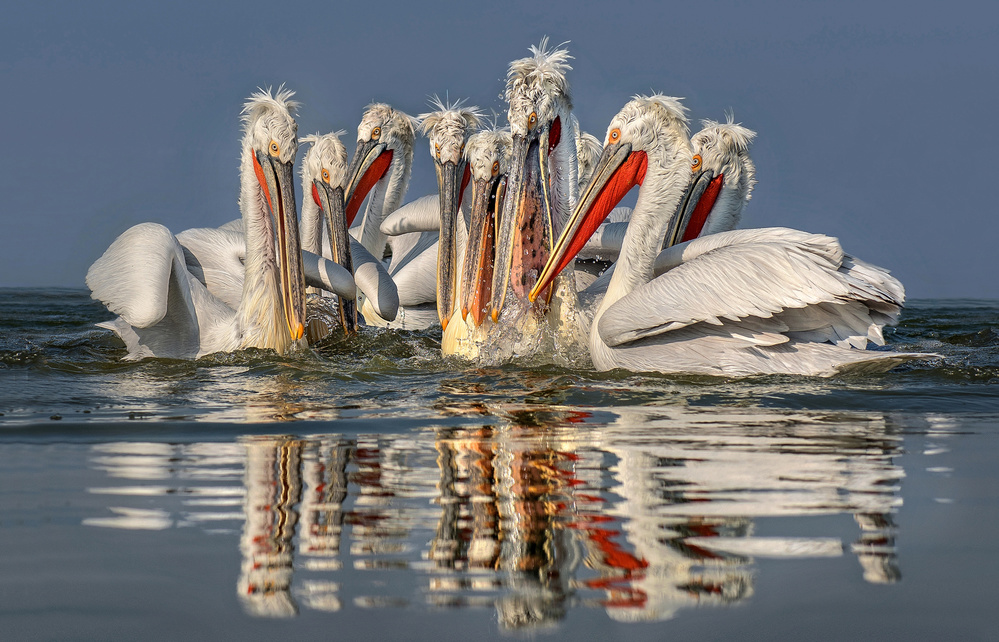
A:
{"x":876,"y":121}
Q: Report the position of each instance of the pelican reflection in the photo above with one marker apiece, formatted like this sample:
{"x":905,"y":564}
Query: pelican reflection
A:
{"x":535,"y":515}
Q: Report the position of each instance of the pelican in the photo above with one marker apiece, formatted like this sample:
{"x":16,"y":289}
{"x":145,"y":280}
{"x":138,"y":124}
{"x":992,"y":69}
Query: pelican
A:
{"x":418,"y":229}
{"x":737,"y":303}
{"x":723,"y":179}
{"x":324,"y":171}
{"x":382,"y":165}
{"x":487,"y":154}
{"x":215,"y":256}
{"x":540,"y":192}
{"x":447,"y":129}
{"x":165,"y":311}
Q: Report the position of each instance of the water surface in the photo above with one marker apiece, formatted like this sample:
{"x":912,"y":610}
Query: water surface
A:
{"x":373,"y":488}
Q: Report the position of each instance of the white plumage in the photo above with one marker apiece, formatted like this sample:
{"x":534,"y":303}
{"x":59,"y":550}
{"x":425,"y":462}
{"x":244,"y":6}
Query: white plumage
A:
{"x":165,"y":309}
{"x":414,"y":230}
{"x":735,"y":303}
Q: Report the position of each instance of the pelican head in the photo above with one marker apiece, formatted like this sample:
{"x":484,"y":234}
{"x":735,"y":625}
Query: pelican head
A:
{"x":722,"y":181}
{"x":385,"y":139}
{"x":540,"y":108}
{"x":488,"y":156}
{"x":448,"y":128}
{"x":324,"y":171}
{"x":270,"y":217}
{"x":649,"y":134}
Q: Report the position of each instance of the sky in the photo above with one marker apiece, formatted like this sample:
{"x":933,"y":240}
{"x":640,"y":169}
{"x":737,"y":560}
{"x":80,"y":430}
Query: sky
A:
{"x":876,"y":121}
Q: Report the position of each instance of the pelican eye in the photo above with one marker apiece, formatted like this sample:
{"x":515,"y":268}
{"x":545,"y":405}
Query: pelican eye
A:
{"x":495,"y":168}
{"x":697,"y":163}
{"x":614,"y":136}
{"x":532,"y":120}
{"x":326,"y":175}
{"x":274,"y":149}
{"x":437,"y":148}
{"x":376,"y":133}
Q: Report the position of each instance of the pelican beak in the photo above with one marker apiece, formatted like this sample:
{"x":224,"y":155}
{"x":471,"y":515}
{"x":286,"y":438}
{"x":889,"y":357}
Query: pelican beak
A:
{"x":480,"y":253}
{"x":526,"y":229}
{"x":330,"y":199}
{"x":618,"y":170}
{"x":277,"y":182}
{"x":695,"y":206}
{"x":451,"y":180}
{"x":370,"y":163}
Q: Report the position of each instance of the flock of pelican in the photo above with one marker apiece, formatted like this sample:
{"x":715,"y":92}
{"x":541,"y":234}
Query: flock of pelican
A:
{"x":492,"y":257}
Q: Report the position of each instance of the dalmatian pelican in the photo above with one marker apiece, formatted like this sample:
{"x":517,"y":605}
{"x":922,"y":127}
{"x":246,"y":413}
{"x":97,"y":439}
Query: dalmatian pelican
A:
{"x":334,"y":263}
{"x":737,"y":303}
{"x":542,"y":185}
{"x":426,"y":277}
{"x":165,"y":311}
{"x":324,"y":233}
{"x":541,"y":188}
{"x":723,"y":179}
{"x":447,"y":129}
{"x":382,"y":165}
{"x":487,"y":155}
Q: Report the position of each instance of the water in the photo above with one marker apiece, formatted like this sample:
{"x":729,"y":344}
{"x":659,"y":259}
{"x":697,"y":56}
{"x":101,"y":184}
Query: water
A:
{"x":376,"y":489}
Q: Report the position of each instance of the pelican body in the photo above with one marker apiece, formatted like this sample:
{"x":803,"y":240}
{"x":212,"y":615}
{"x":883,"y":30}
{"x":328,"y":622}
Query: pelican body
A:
{"x":737,"y":303}
{"x":164,"y":310}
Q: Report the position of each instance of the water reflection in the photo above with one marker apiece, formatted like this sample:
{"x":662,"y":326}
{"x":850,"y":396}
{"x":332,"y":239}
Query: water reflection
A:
{"x":544,"y":512}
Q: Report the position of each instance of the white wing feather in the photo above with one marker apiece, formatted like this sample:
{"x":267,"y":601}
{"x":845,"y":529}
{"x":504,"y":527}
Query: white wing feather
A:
{"x":374,"y":282}
{"x":414,"y":267}
{"x":133,"y":276}
{"x":163,"y":310}
{"x":759,"y":273}
{"x":421,"y":215}
{"x":215,"y":257}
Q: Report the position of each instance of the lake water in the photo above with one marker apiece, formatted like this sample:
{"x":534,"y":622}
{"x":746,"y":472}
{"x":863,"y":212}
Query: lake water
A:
{"x":375,"y":490}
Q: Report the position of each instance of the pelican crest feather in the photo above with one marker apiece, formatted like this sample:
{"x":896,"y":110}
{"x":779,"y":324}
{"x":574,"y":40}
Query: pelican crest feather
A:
{"x":327,"y":151}
{"x":270,"y":115}
{"x":724,"y":148}
{"x":537,"y":81}
{"x":393,"y":123}
{"x":485,"y":148}
{"x":447,"y":127}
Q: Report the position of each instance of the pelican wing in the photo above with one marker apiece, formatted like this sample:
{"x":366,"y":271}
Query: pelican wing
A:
{"x":374,"y":282}
{"x":421,"y":215}
{"x":134,"y":276}
{"x":328,"y":275}
{"x":215,"y":257}
{"x":414,"y":267}
{"x":790,"y":281}
{"x":164,"y":311}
